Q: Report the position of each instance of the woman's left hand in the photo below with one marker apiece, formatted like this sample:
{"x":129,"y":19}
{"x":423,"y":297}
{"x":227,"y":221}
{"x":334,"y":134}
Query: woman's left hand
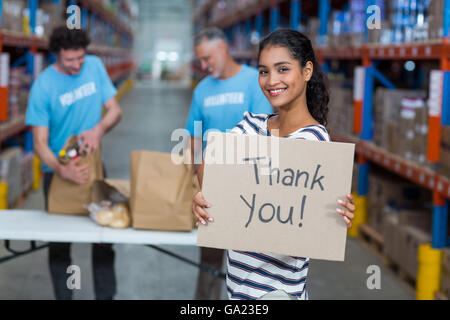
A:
{"x":347,"y":210}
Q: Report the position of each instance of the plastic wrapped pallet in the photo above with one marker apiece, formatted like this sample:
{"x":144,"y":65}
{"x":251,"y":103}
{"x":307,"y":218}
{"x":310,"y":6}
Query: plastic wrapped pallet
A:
{"x":12,"y":11}
{"x":10,"y":160}
{"x":387,"y":106}
{"x":412,"y":116}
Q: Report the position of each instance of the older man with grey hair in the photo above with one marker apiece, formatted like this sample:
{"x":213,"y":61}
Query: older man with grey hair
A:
{"x":219,"y":102}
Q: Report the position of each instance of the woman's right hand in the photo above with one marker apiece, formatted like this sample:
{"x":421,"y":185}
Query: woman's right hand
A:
{"x":198,"y":205}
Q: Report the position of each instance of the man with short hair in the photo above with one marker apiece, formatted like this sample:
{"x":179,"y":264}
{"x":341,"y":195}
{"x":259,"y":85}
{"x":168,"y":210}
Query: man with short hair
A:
{"x":219,"y":102}
{"x":67,"y":99}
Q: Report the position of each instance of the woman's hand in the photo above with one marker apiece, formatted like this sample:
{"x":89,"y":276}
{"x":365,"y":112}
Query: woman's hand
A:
{"x":198,"y":205}
{"x":347,"y":210}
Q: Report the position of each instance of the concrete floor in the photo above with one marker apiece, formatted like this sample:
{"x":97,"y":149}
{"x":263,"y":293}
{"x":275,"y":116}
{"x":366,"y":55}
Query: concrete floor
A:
{"x":151,"y":113}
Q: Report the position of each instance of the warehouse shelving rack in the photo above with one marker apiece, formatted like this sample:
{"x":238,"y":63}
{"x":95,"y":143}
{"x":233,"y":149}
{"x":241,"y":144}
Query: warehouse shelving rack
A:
{"x":366,"y":53}
{"x":32,"y":44}
{"x":118,"y":61}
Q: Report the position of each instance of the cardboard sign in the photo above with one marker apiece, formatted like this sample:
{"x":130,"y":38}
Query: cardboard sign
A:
{"x":281,"y":196}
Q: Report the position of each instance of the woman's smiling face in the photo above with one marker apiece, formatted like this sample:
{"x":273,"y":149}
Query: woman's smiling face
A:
{"x":281,"y":77}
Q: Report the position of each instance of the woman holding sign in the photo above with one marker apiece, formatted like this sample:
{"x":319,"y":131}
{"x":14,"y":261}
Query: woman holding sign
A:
{"x":292,"y":81}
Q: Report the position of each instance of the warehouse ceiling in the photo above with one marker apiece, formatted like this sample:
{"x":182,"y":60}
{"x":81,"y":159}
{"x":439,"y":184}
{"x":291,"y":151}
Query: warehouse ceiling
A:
{"x":164,"y":9}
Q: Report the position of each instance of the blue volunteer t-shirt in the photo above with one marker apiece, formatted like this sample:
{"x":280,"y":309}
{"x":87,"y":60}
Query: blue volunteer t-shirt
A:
{"x":69,"y":105}
{"x":220,"y":104}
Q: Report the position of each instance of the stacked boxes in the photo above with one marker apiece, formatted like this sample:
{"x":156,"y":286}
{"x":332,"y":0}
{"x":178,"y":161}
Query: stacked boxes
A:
{"x":12,"y":14}
{"x":55,"y":11}
{"x":412,"y":130}
{"x":396,"y":209}
{"x":401,"y":122}
{"x":403,"y":232}
{"x":312,"y":29}
{"x":435,"y":19}
{"x":19,"y":87}
{"x":386,"y":190}
{"x":16,"y":16}
{"x":444,"y":154}
{"x":340,"y":114}
{"x":355,"y":178}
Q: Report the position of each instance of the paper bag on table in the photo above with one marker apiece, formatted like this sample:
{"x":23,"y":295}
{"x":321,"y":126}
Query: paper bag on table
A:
{"x":161,"y":191}
{"x":67,"y":197}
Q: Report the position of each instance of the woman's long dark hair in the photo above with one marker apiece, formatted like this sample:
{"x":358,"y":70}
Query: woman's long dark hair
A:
{"x":300,"y":47}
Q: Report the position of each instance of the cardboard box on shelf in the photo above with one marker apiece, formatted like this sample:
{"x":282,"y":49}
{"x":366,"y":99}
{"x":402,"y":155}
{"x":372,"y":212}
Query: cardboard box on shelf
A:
{"x":12,"y":14}
{"x":53,"y":15}
{"x":401,"y":243}
{"x":26,"y":171}
{"x":410,"y":240}
{"x":388,"y":189}
{"x":67,"y":197}
{"x":412,"y":111}
{"x":340,"y":116}
{"x":390,"y":232}
{"x":390,"y":138}
{"x":387,"y":114}
{"x":446,"y":259}
{"x":390,"y":194}
{"x":435,"y":19}
{"x":110,"y":203}
{"x":418,"y":218}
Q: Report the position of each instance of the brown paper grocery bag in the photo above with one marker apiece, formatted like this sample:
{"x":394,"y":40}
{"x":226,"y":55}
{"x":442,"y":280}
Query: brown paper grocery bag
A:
{"x":67,"y":197}
{"x":161,"y":192}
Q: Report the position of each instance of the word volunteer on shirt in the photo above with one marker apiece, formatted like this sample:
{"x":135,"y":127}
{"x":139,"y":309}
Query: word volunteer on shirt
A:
{"x":224,"y":98}
{"x":84,"y":91}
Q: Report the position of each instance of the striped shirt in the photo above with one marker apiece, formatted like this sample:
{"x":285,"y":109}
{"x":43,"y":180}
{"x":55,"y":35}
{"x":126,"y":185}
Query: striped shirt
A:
{"x":251,"y":275}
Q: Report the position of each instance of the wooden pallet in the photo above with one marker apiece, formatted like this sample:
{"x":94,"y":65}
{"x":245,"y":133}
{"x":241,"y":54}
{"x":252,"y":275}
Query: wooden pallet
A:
{"x":373,"y":241}
{"x":440,"y":296}
{"x":399,"y":272}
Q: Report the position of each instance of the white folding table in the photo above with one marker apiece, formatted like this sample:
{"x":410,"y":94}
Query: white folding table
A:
{"x":36,"y":225}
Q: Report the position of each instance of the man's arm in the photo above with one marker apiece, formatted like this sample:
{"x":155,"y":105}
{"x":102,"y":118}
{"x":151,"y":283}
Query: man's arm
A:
{"x":72,"y":172}
{"x":92,"y":138}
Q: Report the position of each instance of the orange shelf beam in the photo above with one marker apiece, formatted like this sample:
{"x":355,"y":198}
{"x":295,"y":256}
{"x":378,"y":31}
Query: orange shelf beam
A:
{"x":409,"y":170}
